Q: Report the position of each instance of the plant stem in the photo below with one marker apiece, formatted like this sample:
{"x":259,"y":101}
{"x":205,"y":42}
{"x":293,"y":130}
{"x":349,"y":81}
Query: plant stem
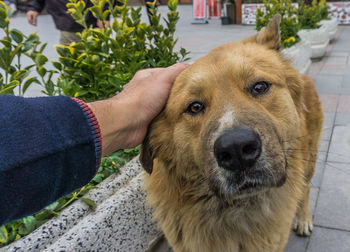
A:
{"x":19,"y":68}
{"x":7,"y":69}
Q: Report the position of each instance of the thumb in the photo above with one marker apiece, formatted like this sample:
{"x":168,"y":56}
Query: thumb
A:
{"x":169,"y":74}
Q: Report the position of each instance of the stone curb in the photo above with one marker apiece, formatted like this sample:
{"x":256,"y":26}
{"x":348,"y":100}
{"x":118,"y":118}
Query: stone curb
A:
{"x":121,"y":221}
{"x":331,"y":26}
{"x":318,"y":38}
{"x":299,"y":55}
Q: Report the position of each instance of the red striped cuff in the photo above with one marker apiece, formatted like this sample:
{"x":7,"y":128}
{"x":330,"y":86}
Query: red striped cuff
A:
{"x":95,"y":129}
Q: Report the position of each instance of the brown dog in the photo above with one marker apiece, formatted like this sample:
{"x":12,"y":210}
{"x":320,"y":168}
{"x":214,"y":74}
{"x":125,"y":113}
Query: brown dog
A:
{"x":232,"y":154}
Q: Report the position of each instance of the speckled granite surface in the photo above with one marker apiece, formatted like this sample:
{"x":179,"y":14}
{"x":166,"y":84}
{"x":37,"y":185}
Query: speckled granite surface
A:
{"x":121,"y":221}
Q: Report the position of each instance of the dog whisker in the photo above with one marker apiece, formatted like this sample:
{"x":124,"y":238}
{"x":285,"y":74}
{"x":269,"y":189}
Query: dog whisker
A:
{"x":314,"y":152}
{"x":309,"y":134}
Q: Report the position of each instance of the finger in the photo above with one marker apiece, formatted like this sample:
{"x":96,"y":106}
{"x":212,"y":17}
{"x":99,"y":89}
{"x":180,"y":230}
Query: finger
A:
{"x":34,"y":19}
{"x":145,"y":73}
{"x":170,"y":73}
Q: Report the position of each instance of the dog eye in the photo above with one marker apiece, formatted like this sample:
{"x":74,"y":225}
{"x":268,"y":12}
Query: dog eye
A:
{"x":260,"y":88}
{"x":194,"y":108}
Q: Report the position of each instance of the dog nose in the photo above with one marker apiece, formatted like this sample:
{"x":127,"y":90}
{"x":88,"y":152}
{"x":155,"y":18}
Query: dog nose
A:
{"x":237,"y":148}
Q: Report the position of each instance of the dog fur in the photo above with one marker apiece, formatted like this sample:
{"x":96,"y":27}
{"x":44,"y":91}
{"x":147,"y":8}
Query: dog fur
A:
{"x":199,"y":205}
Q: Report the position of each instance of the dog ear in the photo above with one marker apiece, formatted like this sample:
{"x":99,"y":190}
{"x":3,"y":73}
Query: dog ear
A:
{"x":147,"y":154}
{"x":270,"y":36}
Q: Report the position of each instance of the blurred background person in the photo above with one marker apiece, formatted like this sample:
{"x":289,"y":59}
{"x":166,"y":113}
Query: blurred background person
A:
{"x":63,"y":20}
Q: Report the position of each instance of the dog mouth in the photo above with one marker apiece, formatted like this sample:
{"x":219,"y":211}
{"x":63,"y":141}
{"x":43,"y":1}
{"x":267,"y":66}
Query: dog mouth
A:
{"x":235,"y":186}
{"x":249,"y":187}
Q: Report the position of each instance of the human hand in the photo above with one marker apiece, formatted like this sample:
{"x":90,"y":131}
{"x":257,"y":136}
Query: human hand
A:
{"x":32,"y":17}
{"x":124,"y":119}
{"x":100,"y":24}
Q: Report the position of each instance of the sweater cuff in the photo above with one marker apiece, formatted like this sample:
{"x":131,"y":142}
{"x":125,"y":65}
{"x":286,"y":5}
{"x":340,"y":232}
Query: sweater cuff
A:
{"x":95,"y":130}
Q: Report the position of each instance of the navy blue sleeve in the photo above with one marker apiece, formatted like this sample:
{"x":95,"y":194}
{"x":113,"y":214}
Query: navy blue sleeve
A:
{"x":48,"y":148}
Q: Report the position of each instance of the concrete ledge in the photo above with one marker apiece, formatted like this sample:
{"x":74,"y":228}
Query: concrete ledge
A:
{"x":319,"y":50}
{"x":299,"y":55}
{"x":121,"y":221}
{"x":318,"y":38}
{"x":331,"y":26}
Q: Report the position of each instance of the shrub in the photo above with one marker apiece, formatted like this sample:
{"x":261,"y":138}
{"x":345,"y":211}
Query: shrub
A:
{"x":289,"y":22}
{"x":15,"y":46}
{"x":309,"y":15}
{"x":106,"y":59}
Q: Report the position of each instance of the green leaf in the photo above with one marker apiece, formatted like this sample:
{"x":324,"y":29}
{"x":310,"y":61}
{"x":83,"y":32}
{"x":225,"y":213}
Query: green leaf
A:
{"x":3,"y":235}
{"x":81,"y":93}
{"x":62,"y":50}
{"x":5,"y":42}
{"x":16,"y":35}
{"x":41,"y":71}
{"x":45,"y":215}
{"x":40,"y":59}
{"x":15,"y":51}
{"x":3,"y":10}
{"x":105,"y":14}
{"x":28,"y":83}
{"x":96,"y":11}
{"x":42,"y":48}
{"x":98,"y":178}
{"x":57,"y":65}
{"x":9,"y":88}
{"x":29,"y":223}
{"x":4,"y":22}
{"x":89,"y":202}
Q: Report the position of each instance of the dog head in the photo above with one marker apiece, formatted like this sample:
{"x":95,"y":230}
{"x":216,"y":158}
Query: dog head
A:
{"x":230,"y":118}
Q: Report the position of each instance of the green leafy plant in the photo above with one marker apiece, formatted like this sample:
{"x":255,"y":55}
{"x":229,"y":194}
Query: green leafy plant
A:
{"x":309,"y":15}
{"x":15,"y":45}
{"x":289,"y":23}
{"x":106,"y":59}
{"x":323,"y":9}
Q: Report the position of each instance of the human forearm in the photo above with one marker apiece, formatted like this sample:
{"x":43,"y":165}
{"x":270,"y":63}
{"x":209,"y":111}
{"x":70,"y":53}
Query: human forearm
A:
{"x":47,"y":150}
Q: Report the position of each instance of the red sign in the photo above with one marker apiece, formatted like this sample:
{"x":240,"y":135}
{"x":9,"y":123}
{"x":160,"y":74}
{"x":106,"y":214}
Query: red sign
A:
{"x":199,"y":9}
{"x":214,"y":8}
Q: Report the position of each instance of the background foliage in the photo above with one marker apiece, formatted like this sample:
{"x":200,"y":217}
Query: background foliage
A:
{"x":309,"y":15}
{"x":106,"y":59}
{"x":95,"y":68}
{"x":15,"y":45}
{"x":293,"y":18}
{"x":323,"y":9}
{"x":289,"y":23}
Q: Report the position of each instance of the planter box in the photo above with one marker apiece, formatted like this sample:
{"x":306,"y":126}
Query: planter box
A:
{"x":299,"y":55}
{"x":331,"y":26}
{"x":121,"y":221}
{"x":318,"y":39}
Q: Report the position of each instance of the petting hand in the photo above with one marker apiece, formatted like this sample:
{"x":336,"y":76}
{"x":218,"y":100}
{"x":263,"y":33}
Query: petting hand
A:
{"x":124,"y":119}
{"x":32,"y":17}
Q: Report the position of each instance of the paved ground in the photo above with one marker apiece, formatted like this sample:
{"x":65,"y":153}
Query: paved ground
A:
{"x":330,"y":193}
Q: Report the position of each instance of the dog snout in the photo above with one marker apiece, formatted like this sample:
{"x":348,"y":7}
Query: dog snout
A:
{"x":238,"y":148}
